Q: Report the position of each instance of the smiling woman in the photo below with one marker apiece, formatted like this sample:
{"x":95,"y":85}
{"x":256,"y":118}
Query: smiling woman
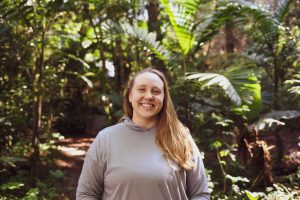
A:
{"x":148,"y":155}
{"x":146,"y":97}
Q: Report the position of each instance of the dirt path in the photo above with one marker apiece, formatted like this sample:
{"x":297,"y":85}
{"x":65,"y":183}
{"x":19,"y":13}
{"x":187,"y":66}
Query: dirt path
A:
{"x":72,"y":151}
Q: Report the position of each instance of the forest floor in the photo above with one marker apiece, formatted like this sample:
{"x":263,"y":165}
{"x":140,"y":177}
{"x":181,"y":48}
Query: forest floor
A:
{"x":72,"y":152}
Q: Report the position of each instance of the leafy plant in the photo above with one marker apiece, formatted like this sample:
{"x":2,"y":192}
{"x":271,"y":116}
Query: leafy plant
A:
{"x":253,"y":195}
{"x":11,"y":185}
{"x":239,"y":85}
{"x":294,"y":84}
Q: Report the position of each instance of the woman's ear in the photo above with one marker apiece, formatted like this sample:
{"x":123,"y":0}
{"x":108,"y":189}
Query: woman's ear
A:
{"x":129,"y":98}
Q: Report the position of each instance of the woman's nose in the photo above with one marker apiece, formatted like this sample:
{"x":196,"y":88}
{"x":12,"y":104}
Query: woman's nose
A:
{"x":149,"y":95}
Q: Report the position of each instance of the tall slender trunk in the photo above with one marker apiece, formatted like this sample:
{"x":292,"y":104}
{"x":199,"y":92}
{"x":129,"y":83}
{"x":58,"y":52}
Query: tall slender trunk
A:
{"x":154,"y":26}
{"x":276,"y":83}
{"x":153,"y":15}
{"x":101,"y":46}
{"x":229,"y":37}
{"x":37,"y":114}
{"x":99,"y":37}
{"x":119,"y":64}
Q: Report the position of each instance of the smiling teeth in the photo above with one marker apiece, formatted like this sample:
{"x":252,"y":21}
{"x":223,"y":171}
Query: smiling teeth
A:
{"x":147,"y":105}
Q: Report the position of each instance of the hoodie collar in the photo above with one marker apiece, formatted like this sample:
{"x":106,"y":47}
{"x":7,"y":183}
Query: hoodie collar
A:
{"x":127,"y":121}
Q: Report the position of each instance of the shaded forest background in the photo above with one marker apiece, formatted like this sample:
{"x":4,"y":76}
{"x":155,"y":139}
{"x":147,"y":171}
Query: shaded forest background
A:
{"x":233,"y":69}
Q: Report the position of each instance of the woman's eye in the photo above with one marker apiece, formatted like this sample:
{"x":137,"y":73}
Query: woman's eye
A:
{"x":141,"y":89}
{"x":156,"y":92}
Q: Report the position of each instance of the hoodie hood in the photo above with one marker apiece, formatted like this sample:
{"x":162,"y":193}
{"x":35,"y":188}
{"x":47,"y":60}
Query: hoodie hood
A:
{"x":128,"y":122}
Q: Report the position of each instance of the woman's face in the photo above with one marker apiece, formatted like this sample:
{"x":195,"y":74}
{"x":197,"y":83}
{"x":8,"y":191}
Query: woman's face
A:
{"x":146,"y":97}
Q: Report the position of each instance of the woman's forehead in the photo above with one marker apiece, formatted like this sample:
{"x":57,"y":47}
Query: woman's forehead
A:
{"x":147,"y":79}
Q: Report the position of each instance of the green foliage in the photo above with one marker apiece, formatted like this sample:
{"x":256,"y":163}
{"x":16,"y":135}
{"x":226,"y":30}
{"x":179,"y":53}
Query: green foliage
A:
{"x":278,"y":192}
{"x":45,"y":189}
{"x":32,"y":194}
{"x":240,"y":85}
{"x":283,"y":10}
{"x":182,"y":15}
{"x":11,"y":186}
{"x":57,"y":174}
{"x":294,"y":84}
{"x":253,"y":195}
{"x":148,"y":39}
{"x":11,"y":160}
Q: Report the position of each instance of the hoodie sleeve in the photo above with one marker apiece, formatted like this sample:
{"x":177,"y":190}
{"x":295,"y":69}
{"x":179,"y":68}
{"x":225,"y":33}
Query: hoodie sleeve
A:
{"x":197,"y":187}
{"x":90,"y":184}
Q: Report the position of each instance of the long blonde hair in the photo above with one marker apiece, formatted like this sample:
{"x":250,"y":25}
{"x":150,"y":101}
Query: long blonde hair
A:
{"x":172,"y":137}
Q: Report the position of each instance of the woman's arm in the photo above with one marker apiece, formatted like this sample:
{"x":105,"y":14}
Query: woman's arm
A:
{"x":197,"y":187}
{"x":90,"y":184}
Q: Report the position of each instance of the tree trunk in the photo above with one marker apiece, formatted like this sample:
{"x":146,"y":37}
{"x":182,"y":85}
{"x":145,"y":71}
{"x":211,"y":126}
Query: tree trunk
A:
{"x":118,"y":64}
{"x":276,"y":84}
{"x":154,"y":26}
{"x":229,"y":38}
{"x":99,"y":37}
{"x":153,"y":15}
{"x":37,"y":124}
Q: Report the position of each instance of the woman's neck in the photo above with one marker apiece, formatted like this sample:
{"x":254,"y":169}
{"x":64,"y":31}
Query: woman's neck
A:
{"x":143,"y":123}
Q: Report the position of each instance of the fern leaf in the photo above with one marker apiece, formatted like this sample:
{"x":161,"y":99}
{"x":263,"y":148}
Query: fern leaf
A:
{"x":239,"y":85}
{"x":182,"y":15}
{"x":283,"y":10}
{"x":219,"y":80}
{"x":149,"y":39}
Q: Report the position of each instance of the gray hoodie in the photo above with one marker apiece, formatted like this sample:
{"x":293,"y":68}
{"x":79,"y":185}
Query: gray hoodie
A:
{"x":125,"y":163}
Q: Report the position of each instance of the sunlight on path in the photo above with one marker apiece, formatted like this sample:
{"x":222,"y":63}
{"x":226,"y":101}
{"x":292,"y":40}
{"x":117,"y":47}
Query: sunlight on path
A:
{"x":71,"y":151}
{"x":71,"y":154}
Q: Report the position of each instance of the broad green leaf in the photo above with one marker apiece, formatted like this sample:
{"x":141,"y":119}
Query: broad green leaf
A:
{"x":86,"y":43}
{"x":91,"y":33}
{"x":253,"y":195}
{"x":2,"y":119}
{"x":11,"y":185}
{"x":79,"y":60}
{"x":182,"y":15}
{"x":88,"y":81}
{"x":215,"y":145}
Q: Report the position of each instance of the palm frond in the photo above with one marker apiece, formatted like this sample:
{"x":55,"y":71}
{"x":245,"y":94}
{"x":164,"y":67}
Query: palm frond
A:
{"x":242,"y":13}
{"x":148,"y":39}
{"x":294,"y":84}
{"x":208,"y":79}
{"x":211,"y":23}
{"x":73,"y":57}
{"x":259,"y":18}
{"x":182,"y":15}
{"x":274,"y":119}
{"x":283,"y":10}
{"x":209,"y":27}
{"x":239,"y":85}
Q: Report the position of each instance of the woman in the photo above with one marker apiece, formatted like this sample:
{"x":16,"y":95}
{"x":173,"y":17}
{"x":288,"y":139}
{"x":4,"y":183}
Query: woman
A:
{"x":150,"y":155}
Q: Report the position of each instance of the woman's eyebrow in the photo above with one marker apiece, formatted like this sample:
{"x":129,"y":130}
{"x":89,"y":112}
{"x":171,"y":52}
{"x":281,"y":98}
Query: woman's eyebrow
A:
{"x":145,"y":85}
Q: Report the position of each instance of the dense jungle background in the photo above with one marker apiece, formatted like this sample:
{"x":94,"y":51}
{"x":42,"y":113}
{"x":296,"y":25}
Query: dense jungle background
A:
{"x":233,"y":68}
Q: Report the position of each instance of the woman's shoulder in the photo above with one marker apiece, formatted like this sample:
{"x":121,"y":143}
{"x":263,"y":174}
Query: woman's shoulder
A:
{"x":107,"y":135}
{"x":112,"y":131}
